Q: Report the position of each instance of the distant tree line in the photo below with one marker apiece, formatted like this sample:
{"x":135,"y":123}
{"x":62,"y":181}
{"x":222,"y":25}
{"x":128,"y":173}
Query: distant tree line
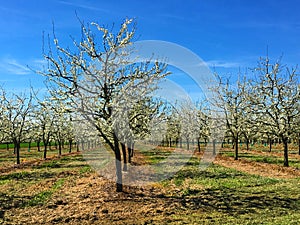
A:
{"x":96,"y":81}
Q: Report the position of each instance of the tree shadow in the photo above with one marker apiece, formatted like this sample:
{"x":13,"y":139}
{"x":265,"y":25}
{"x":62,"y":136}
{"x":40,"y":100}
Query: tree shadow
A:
{"x":12,"y":201}
{"x":231,"y":202}
{"x":27,"y":175}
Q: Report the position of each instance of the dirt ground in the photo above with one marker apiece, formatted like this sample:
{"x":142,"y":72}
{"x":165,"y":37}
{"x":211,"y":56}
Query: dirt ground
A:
{"x":91,"y":199}
{"x":258,"y":168}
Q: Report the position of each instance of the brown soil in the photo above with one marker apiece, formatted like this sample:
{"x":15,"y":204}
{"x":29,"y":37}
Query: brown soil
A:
{"x":265,"y":153}
{"x":258,"y":168}
{"x":32,"y":162}
{"x":91,"y":199}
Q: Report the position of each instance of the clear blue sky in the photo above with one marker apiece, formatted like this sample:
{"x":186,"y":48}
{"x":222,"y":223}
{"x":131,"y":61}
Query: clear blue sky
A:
{"x":227,"y":34}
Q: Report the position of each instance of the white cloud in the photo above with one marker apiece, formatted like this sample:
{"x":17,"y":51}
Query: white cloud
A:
{"x":38,"y":64}
{"x":223,"y":64}
{"x":83,"y":6}
{"x":12,"y":66}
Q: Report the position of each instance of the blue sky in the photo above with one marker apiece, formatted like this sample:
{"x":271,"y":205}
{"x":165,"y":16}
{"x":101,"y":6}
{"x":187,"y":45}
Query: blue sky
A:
{"x":227,"y":34}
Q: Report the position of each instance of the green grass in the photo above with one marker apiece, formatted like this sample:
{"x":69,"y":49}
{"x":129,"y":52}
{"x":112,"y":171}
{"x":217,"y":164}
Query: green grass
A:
{"x":155,"y":156}
{"x":20,"y":188}
{"x":8,"y":158}
{"x":43,"y":196}
{"x":228,"y":196}
{"x":85,"y":169}
{"x":17,"y":175}
{"x":271,"y":159}
{"x":217,"y":177}
{"x":25,"y":145}
{"x":51,"y":164}
{"x":216,"y":195}
{"x":39,"y":199}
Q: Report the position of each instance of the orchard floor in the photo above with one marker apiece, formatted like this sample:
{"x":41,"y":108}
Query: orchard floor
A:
{"x":67,"y":191}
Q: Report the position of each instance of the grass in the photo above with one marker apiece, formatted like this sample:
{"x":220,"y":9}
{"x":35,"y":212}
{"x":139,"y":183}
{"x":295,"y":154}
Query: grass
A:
{"x":85,"y":169}
{"x":216,"y":195}
{"x":35,"y":186}
{"x":8,"y":158}
{"x":228,"y":196}
{"x":25,"y":145}
{"x":217,"y":177}
{"x":39,"y":199}
{"x":42,"y":197}
{"x":271,"y":159}
{"x":155,"y":155}
{"x":220,"y":195}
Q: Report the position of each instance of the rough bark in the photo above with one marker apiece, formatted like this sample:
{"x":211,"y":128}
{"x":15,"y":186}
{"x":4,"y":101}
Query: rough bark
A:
{"x":59,"y":148}
{"x":124,"y":156}
{"x":198,"y":143}
{"x":236,"y":148}
{"x":17,"y":147}
{"x":285,"y":152}
{"x":38,"y":145}
{"x":129,"y":149}
{"x":45,"y":150}
{"x":214,"y":147}
{"x":119,"y":181}
{"x":187,"y":144}
{"x":70,"y":145}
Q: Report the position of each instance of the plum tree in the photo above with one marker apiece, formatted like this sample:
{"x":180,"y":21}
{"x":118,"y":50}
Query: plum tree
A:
{"x":275,"y":99}
{"x":97,"y":75}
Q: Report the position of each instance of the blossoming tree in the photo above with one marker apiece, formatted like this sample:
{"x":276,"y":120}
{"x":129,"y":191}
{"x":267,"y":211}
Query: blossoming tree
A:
{"x":98,"y":78}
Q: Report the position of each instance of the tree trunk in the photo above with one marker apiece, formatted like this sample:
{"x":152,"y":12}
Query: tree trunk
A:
{"x":124,"y":156}
{"x":285,"y":152}
{"x":214,"y":147}
{"x":7,"y":146}
{"x":129,"y":149}
{"x":236,"y":148}
{"x":132,"y":149}
{"x":187,"y":144}
{"x":270,"y":145}
{"x":198,"y":143}
{"x":17,"y":147}
{"x":70,"y":146}
{"x":45,"y":150}
{"x":38,"y":145}
{"x":59,"y":148}
{"x":82,"y":145}
{"x":299,"y":144}
{"x":247,"y":143}
{"x":170,"y":142}
{"x":119,"y":182}
{"x":29,"y":146}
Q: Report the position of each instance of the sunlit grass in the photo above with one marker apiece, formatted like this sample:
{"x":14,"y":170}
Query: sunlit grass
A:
{"x":216,"y":195}
{"x":271,"y":159}
{"x":228,"y":196}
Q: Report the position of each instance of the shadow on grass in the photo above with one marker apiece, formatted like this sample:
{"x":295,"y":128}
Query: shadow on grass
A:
{"x":236,"y":202}
{"x":27,"y":175}
{"x":12,"y":201}
{"x":36,"y":175}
